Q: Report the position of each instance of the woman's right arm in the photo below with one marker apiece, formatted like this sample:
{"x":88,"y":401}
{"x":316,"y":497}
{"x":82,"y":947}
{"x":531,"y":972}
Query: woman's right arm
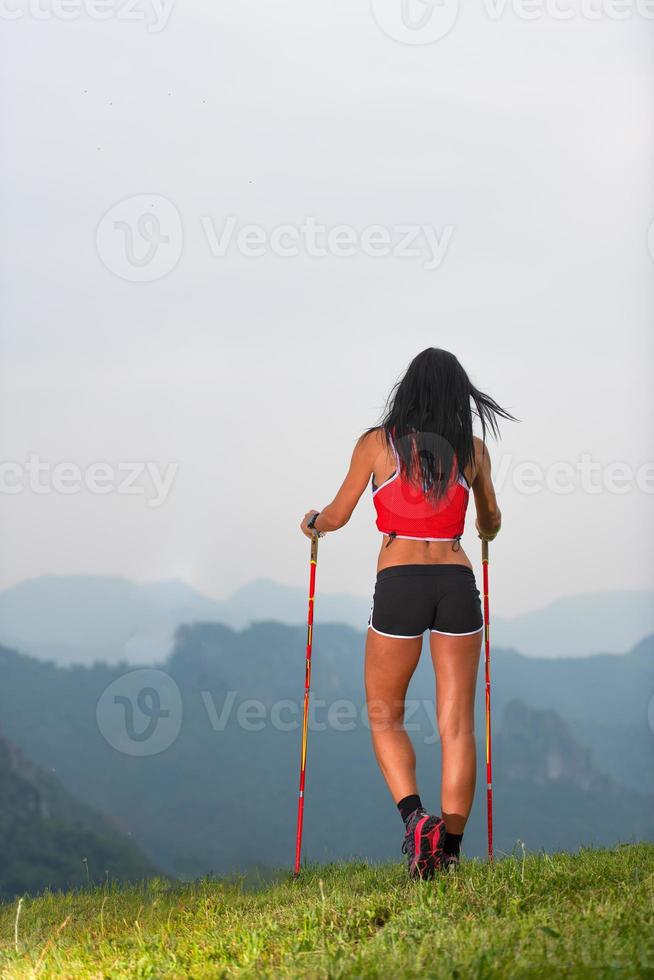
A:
{"x":489,"y":517}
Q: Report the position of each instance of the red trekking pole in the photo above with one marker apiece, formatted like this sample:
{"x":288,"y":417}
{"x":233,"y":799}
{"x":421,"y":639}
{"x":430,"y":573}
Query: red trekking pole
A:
{"x":307,"y":685}
{"x":489,"y":756}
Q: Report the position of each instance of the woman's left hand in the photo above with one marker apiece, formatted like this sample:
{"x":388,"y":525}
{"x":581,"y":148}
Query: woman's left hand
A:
{"x":303,"y":526}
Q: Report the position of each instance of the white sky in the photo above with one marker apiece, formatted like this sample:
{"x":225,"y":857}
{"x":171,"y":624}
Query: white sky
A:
{"x":532,"y":140}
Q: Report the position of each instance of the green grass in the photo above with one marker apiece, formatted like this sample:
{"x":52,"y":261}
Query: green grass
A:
{"x":585,"y":915}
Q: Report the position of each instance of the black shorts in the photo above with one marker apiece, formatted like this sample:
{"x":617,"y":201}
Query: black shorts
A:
{"x":410,"y":599}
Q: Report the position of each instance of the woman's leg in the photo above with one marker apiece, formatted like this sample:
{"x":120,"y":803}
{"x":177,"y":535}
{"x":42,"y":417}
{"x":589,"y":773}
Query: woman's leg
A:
{"x":390,"y":663}
{"x":456,"y":660}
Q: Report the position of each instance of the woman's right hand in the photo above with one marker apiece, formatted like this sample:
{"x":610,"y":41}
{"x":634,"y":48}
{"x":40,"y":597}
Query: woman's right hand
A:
{"x":484,"y":536}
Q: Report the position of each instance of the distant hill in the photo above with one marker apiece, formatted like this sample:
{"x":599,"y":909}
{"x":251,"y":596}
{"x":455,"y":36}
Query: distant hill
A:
{"x":579,"y":625}
{"x":549,"y":789}
{"x":83,"y":619}
{"x":48,"y":839}
{"x":196,"y":804}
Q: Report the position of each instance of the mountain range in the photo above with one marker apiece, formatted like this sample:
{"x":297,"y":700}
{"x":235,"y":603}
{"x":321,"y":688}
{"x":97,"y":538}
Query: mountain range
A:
{"x":83,"y":619}
{"x":197,"y":760}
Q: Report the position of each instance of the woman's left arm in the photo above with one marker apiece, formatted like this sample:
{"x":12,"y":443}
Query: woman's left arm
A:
{"x":338,"y":513}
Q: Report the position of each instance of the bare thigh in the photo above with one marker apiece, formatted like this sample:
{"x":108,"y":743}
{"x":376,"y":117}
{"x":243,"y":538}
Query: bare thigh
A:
{"x":456,"y":662}
{"x":390,"y":664}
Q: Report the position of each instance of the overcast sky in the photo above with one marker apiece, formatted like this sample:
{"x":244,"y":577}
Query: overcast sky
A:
{"x":510,"y":157}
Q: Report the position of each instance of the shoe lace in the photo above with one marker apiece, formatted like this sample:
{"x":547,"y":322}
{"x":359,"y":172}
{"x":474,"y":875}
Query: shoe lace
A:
{"x":408,"y":844}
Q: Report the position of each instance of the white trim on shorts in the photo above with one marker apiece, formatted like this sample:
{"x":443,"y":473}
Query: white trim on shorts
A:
{"x":471,"y":633}
{"x":394,"y":636}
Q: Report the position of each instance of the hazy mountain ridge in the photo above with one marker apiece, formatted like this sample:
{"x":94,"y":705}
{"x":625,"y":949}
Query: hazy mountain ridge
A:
{"x":83,"y":619}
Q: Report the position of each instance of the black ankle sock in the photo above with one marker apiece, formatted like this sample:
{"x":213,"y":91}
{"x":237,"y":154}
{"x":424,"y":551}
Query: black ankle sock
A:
{"x":452,"y":844}
{"x":409,"y":805}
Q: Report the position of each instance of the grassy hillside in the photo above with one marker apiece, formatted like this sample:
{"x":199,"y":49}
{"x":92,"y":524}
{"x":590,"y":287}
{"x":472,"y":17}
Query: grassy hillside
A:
{"x":584,"y":915}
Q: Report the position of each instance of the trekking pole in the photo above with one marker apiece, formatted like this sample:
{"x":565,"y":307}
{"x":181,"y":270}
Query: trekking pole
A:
{"x":307,"y":684}
{"x":489,"y":756}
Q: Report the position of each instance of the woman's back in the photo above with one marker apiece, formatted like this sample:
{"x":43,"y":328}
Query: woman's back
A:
{"x":449,"y":513}
{"x":405,"y":511}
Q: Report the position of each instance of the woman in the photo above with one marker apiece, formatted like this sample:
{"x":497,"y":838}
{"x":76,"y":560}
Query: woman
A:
{"x":424,"y":460}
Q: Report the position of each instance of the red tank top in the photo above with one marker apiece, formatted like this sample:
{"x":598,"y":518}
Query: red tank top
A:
{"x":403,"y":510}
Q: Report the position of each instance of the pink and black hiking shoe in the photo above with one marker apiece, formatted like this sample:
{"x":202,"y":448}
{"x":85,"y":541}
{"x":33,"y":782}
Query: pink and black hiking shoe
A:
{"x":423,"y":844}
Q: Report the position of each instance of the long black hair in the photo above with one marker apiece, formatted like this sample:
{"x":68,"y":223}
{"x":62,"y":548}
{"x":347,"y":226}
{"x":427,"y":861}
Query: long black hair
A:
{"x":429,"y":416}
